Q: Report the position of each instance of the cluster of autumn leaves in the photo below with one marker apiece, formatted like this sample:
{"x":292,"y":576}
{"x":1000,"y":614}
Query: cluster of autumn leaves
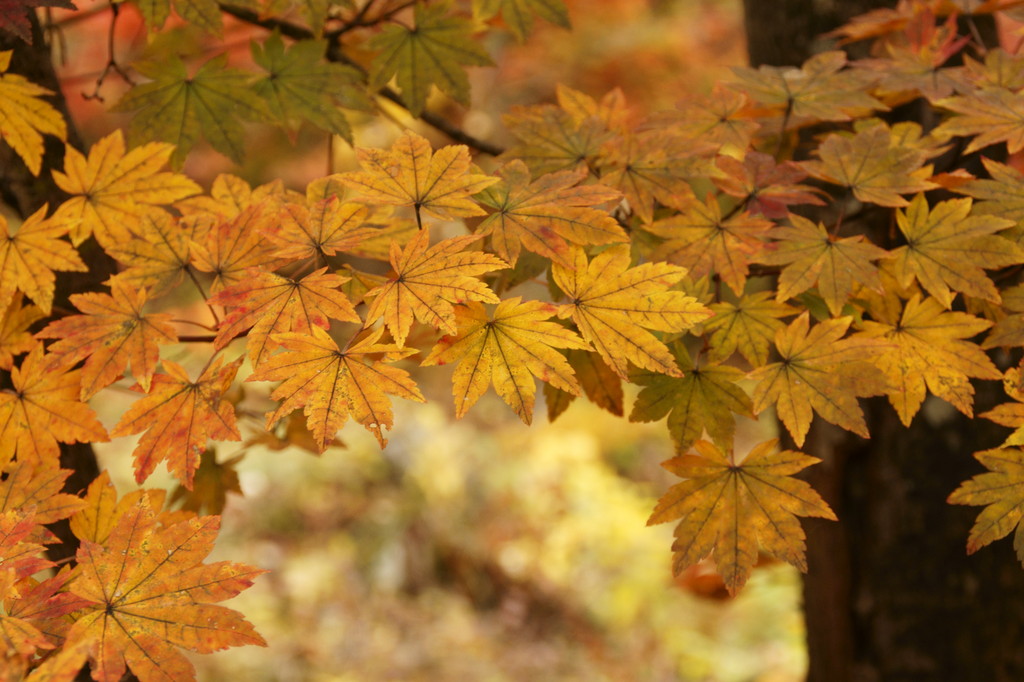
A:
{"x":600,"y":250}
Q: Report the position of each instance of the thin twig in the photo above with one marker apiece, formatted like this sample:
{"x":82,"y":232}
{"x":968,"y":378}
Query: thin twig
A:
{"x":112,"y":64}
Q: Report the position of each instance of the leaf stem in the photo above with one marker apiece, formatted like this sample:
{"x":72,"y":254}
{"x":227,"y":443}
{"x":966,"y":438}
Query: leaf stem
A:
{"x":202,"y":292}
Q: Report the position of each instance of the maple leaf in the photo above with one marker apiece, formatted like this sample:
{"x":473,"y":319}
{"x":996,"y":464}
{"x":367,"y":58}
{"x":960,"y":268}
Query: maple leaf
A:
{"x":233,"y":247}
{"x":1010,"y":414}
{"x":812,"y":256}
{"x":986,"y":117}
{"x":43,"y":409}
{"x":179,"y":107}
{"x":431,"y":53}
{"x":103,"y":509}
{"x":14,"y":15}
{"x":321,"y":227}
{"x":156,"y":251}
{"x":735,"y":509}
{"x":211,"y":484}
{"x":229,"y":196}
{"x":614,"y":305}
{"x":112,"y":332}
{"x":927,"y":349}
{"x":179,"y":416}
{"x":428,"y":280}
{"x":705,"y":398}
{"x":1000,"y":69}
{"x":819,"y":371}
{"x":410,"y":174}
{"x":15,"y":338}
{"x":30,"y":254}
{"x":269,"y":303}
{"x":722,"y":117}
{"x":947,"y":249}
{"x":518,"y":14}
{"x":507,"y":349}
{"x":110,"y":186}
{"x":703,"y":241}
{"x":204,"y":14}
{"x":600,"y":384}
{"x":333,"y":384}
{"x":1001,"y":492}
{"x":1009,"y":329}
{"x":26,"y":117}
{"x":300,"y":85}
{"x":36,"y":485}
{"x":1001,"y":195}
{"x":652,"y":166}
{"x":766,"y":188}
{"x":546,"y":215}
{"x":872,"y":166}
{"x":818,"y":91}
{"x":149,"y":593}
{"x":747,"y":326}
{"x":551,"y":139}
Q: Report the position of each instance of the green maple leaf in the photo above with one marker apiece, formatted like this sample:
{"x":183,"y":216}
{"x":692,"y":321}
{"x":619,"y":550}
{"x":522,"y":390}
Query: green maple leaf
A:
{"x":178,"y":108}
{"x":432,"y":53}
{"x":300,"y":85}
{"x":203,"y":14}
{"x":518,"y":14}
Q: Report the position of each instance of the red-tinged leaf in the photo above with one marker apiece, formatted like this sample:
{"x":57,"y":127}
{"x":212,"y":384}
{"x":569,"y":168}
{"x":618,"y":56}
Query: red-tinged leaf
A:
{"x":37,"y":486}
{"x":547,"y":215}
{"x":112,"y":332}
{"x":427,"y":280}
{"x":265,"y":304}
{"x":733,"y":510}
{"x":332,"y":384}
{"x":701,"y":240}
{"x":30,"y":254}
{"x":20,"y":557}
{"x":819,"y":371}
{"x":179,"y":416}
{"x":767,"y":188}
{"x":150,"y":594}
{"x":614,"y":306}
{"x":42,"y":410}
{"x":232,"y":247}
{"x":507,"y":349}
{"x":321,"y":227}
{"x":14,"y":15}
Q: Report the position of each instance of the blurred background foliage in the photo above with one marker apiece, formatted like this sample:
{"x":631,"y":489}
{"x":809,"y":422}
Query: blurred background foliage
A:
{"x":480,"y":549}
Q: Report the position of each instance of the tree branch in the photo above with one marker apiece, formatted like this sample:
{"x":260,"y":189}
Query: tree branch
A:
{"x":335,"y":54}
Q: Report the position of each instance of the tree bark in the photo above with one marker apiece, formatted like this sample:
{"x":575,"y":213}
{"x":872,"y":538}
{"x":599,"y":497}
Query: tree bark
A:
{"x":890,"y":594}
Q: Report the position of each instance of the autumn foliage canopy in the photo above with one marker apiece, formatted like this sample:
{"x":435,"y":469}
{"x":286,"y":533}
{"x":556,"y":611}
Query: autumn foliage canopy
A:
{"x":782,"y":246}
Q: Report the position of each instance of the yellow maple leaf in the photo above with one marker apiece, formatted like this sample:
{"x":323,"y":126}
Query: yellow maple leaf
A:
{"x":333,"y":384}
{"x":614,"y":306}
{"x":746,"y":326}
{"x":507,"y":349}
{"x":1001,"y":492}
{"x":30,"y":254}
{"x":735,"y":509}
{"x":15,"y":338}
{"x":927,"y":350}
{"x":948,"y":249}
{"x":111,"y":185}
{"x":1011,"y":414}
{"x":428,"y":280}
{"x":819,"y":371}
{"x":26,"y":117}
{"x":438,"y":184}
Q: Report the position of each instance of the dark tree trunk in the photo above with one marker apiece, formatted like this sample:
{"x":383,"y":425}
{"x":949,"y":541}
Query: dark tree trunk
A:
{"x":890,"y":594}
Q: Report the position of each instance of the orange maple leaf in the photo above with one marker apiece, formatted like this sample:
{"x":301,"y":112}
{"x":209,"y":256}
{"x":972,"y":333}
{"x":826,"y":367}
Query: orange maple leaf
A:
{"x":231,"y":247}
{"x":149,"y":593}
{"x":15,"y":338}
{"x":767,"y":188}
{"x":269,"y":303}
{"x":819,"y":371}
{"x":428,"y":280}
{"x":332,"y":384}
{"x":113,"y":332}
{"x":986,"y":117}
{"x":156,"y":249}
{"x":735,"y":509}
{"x":703,"y":241}
{"x":546,"y":215}
{"x":409,"y":174}
{"x":507,"y":349}
{"x":44,"y":409}
{"x":614,"y":305}
{"x":322,"y":226}
{"x":110,"y":186}
{"x":179,"y":416}
{"x":29,"y":255}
